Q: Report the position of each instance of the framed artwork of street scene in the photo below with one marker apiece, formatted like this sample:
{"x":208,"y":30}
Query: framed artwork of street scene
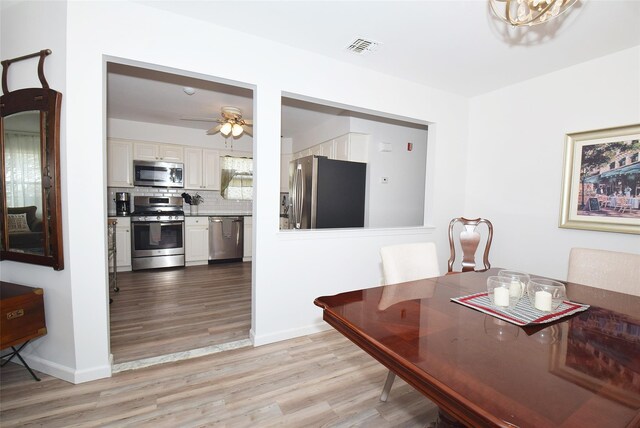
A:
{"x":601,"y":181}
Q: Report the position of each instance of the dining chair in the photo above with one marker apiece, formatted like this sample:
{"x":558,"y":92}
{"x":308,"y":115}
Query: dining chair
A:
{"x":404,"y":263}
{"x":468,"y":240}
{"x":610,"y":270}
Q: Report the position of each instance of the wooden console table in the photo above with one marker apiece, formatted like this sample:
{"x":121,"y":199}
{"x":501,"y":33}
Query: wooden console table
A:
{"x":21,"y":319}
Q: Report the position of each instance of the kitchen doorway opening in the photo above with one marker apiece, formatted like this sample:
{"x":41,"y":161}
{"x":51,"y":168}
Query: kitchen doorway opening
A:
{"x":160,"y":115}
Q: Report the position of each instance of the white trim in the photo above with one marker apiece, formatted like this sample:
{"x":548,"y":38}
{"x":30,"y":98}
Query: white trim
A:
{"x":288,"y":334}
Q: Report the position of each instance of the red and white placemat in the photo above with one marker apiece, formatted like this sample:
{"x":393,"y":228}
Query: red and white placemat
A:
{"x":523,"y":313}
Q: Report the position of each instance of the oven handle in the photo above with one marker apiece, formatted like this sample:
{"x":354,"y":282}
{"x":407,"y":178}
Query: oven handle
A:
{"x":163,"y":223}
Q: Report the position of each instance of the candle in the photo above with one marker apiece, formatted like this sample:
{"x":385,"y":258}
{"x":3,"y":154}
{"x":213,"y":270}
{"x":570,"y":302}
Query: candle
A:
{"x":515,"y":290}
{"x":501,"y":296}
{"x":543,"y":301}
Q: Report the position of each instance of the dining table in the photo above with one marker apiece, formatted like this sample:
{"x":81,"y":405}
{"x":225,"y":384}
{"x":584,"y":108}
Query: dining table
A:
{"x":581,"y":370}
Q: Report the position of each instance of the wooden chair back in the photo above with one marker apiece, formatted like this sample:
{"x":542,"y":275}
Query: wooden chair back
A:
{"x":468,"y":241}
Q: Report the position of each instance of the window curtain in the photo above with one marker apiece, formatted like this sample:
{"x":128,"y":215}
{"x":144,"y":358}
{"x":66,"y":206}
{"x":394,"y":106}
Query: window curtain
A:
{"x":236,"y":178}
{"x":23,"y":170}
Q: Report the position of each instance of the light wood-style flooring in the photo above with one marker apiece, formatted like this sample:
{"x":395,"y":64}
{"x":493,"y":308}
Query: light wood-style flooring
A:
{"x":322,"y":380}
{"x":163,"y":311}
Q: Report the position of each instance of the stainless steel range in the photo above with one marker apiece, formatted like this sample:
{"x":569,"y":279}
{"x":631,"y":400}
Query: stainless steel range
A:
{"x":157,"y":240}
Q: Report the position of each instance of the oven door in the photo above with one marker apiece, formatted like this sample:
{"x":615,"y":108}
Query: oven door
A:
{"x":155,"y":238}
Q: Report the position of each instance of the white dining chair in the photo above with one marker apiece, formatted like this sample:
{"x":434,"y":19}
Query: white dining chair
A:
{"x":610,"y":270}
{"x":404,"y":263}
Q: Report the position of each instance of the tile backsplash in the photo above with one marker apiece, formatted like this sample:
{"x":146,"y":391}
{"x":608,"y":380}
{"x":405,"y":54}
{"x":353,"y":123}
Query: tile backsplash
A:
{"x":213,"y":202}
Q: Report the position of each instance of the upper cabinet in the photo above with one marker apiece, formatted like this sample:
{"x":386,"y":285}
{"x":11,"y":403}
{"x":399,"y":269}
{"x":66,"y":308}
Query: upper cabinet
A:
{"x":349,"y":147}
{"x":202,"y":169}
{"x":352,"y":147}
{"x":119,"y":163}
{"x":158,"y":152}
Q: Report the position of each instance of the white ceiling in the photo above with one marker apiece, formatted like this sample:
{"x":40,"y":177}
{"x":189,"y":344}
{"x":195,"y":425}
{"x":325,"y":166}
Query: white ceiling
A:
{"x":456,"y":46}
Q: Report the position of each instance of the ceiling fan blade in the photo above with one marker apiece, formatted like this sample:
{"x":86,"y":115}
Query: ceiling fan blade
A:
{"x":247,"y":131}
{"x":248,"y":122}
{"x":200,"y":119}
{"x":214,"y":130}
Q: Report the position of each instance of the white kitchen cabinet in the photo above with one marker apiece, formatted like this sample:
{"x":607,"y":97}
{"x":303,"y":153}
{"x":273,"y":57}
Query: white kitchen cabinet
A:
{"x":123,"y":243}
{"x":248,"y":239}
{"x":158,"y":152}
{"x":119,"y":163}
{"x":284,"y":172}
{"x":201,"y":169}
{"x":196,"y":241}
{"x":352,"y":147}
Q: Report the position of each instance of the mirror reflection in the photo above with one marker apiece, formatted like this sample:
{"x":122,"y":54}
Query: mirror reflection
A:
{"x":23,"y":182}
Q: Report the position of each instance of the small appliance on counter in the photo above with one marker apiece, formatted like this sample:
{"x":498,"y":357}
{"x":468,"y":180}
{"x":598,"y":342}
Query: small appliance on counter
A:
{"x":123,"y":207}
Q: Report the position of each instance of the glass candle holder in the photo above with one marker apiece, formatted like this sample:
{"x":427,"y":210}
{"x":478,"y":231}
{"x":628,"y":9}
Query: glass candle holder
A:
{"x":503,"y":292}
{"x":546,"y":294}
{"x":519,"y":277}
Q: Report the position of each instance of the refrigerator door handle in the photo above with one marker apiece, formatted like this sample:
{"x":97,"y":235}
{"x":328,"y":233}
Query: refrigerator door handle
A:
{"x":299,"y":196}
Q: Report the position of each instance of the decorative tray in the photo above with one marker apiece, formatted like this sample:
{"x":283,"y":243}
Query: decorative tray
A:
{"x":523,"y":313}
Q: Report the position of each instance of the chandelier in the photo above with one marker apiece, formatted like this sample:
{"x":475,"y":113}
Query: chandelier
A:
{"x":529,"y":12}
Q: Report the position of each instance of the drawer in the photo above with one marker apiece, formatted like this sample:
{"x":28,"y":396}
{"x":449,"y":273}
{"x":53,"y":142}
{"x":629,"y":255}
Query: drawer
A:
{"x":196,"y":221}
{"x":21,"y":314}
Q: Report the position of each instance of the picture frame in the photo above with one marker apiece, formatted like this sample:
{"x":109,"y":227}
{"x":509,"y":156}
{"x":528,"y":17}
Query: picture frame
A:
{"x":601,"y":180}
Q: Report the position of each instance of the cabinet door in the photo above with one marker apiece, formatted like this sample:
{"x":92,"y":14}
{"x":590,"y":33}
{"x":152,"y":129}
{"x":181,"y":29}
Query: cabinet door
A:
{"x":123,"y":247}
{"x":211,"y":169}
{"x":248,"y":238}
{"x":342,"y":147}
{"x":193,"y":168}
{"x":196,"y":240}
{"x":119,"y":164}
{"x":329,"y":149}
{"x":171,"y":153}
{"x":284,"y":172}
{"x":145,"y":151}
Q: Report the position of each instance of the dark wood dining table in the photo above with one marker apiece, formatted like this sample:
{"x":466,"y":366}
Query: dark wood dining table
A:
{"x":579,"y":371}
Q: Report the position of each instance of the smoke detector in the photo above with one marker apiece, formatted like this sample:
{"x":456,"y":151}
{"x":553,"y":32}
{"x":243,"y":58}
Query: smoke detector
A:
{"x":363,"y":45}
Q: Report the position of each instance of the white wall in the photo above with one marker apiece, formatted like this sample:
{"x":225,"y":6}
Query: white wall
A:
{"x":515,"y":159}
{"x":28,"y":27}
{"x":289,"y":270}
{"x":400,"y":201}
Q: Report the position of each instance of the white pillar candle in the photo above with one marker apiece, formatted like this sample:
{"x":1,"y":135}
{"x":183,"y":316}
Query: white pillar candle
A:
{"x":515,"y":289}
{"x":501,"y":296}
{"x":543,"y":301}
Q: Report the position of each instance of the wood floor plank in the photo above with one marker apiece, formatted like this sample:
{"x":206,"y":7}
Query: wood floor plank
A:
{"x":322,"y":380}
{"x":163,"y":311}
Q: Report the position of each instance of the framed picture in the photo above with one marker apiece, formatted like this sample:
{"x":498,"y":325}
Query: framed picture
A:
{"x":593,"y":358}
{"x":601,"y":181}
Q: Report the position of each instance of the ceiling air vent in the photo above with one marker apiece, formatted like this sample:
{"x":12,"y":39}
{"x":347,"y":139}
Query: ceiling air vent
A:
{"x":362,"y":46}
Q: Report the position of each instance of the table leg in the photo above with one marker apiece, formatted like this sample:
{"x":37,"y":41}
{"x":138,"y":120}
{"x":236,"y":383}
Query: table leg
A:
{"x":445,"y":420}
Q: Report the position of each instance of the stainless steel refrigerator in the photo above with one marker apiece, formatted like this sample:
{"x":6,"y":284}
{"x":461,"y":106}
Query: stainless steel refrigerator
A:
{"x":326,"y":193}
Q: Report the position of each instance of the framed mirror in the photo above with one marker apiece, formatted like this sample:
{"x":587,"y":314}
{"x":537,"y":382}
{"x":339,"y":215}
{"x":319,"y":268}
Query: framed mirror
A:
{"x":30,"y":205}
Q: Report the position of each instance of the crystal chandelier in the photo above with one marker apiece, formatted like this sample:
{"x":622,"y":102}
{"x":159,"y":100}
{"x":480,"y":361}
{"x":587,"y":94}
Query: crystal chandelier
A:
{"x":529,"y":12}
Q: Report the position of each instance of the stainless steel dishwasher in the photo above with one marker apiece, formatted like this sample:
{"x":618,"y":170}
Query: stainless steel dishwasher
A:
{"x":226,"y":238}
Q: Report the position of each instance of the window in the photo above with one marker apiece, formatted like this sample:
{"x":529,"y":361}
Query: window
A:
{"x":236,"y":178}
{"x":634,"y":158}
{"x":622,"y":162}
{"x":23,"y":169}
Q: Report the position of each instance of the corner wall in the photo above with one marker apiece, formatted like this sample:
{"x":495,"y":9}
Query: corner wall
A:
{"x":515,"y":158}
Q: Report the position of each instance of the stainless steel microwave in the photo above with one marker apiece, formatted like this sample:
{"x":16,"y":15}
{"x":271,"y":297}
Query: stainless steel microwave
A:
{"x":158,"y":174}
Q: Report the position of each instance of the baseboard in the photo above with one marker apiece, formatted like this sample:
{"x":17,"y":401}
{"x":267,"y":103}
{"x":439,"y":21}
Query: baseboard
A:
{"x":63,"y":372}
{"x":278,"y":336}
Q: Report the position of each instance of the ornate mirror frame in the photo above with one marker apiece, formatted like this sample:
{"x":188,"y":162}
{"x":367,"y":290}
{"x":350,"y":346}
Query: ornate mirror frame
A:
{"x":47,"y":102}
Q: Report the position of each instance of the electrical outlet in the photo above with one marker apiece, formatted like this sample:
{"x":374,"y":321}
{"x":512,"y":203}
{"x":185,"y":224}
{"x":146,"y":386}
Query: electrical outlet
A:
{"x":384,"y":180}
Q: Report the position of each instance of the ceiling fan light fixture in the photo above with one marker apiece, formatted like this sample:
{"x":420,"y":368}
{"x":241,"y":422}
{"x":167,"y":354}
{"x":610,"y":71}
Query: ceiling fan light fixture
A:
{"x":236,"y":130}
{"x":226,"y":129}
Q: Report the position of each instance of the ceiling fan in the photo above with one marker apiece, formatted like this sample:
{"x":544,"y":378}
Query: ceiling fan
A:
{"x":231,"y":123}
